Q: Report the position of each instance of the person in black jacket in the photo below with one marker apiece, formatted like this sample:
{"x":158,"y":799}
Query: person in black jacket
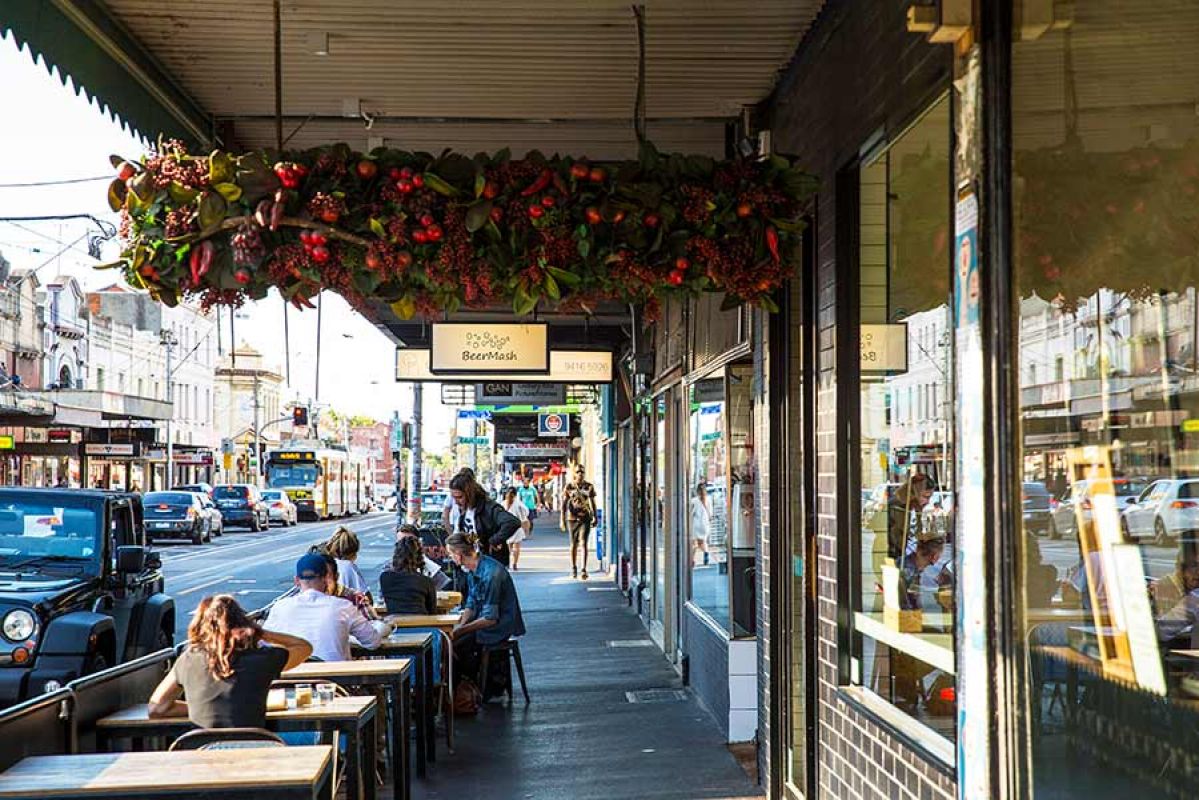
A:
{"x":406,"y":588}
{"x":475,"y":514}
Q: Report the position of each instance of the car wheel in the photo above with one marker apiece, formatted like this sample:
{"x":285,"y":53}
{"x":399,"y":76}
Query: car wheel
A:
{"x":198,"y":535}
{"x":255,"y":525}
{"x":163,"y":640}
{"x":1054,"y":533}
{"x":1161,"y":536}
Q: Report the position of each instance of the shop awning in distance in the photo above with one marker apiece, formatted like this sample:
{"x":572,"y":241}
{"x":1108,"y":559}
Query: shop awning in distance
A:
{"x":99,"y":409}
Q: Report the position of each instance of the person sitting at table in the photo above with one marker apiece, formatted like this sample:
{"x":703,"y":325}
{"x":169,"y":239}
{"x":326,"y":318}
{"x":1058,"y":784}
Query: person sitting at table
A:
{"x":492,"y":614}
{"x":478,"y":515}
{"x":343,"y":545}
{"x":1169,"y":593}
{"x":362,"y":601}
{"x":226,"y":669}
{"x":930,"y":546}
{"x":404,"y":586}
{"x":429,"y":565}
{"x":316,"y":615}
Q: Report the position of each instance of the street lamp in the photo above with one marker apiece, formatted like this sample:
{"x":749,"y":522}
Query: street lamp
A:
{"x":167,"y":338}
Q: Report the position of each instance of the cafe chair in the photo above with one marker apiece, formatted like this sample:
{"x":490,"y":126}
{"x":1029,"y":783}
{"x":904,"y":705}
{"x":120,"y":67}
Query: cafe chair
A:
{"x":225,"y":739}
{"x":509,"y":648}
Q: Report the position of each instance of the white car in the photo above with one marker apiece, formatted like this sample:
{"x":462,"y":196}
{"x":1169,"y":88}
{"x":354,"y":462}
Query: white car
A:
{"x":279,"y":507}
{"x":1165,"y":510}
{"x":1063,"y":517}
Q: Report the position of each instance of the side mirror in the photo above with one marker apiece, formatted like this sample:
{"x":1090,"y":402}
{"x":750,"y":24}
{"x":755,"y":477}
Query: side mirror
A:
{"x":131,"y":559}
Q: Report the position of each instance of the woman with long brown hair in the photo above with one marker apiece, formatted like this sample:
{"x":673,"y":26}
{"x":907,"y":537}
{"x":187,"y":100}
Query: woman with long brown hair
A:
{"x":227,"y":668}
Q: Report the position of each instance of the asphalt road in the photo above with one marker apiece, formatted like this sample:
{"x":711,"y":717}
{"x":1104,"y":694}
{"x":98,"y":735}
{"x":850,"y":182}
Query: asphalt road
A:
{"x":257,"y":567}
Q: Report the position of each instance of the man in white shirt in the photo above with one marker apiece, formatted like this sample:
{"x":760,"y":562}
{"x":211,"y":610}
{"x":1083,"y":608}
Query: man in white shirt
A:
{"x":326,"y":622}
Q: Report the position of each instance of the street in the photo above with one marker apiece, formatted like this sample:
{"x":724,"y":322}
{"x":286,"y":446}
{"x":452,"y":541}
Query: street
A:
{"x":1063,"y":554}
{"x":257,"y":567}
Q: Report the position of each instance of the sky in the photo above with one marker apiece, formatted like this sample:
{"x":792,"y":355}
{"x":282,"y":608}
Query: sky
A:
{"x":52,"y":134}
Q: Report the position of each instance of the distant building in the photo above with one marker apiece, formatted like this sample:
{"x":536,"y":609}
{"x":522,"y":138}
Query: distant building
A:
{"x":243,"y":382}
{"x":373,"y":440}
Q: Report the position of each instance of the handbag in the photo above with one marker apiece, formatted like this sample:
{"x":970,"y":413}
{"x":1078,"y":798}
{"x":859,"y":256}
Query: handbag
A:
{"x":467,"y":697}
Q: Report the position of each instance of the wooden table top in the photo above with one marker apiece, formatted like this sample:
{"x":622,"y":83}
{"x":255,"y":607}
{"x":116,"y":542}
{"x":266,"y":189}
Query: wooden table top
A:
{"x":342,"y":708}
{"x":445,"y":601}
{"x":360,"y":668}
{"x":109,"y":774}
{"x":425,"y":620}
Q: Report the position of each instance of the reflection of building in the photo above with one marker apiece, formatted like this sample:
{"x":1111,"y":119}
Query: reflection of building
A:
{"x":373,"y":441}
{"x":247,"y":393}
{"x":21,"y":328}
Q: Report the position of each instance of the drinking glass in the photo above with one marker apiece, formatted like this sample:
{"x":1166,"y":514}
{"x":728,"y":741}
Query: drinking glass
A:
{"x":325,"y":692}
{"x":304,"y":694}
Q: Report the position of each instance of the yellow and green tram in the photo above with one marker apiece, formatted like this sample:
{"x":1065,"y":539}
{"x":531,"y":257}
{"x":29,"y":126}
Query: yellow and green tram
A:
{"x":322,"y":481}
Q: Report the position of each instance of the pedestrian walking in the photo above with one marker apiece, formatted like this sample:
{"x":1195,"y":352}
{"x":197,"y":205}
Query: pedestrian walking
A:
{"x":517,"y":508}
{"x":578,"y":515}
{"x":701,"y":522}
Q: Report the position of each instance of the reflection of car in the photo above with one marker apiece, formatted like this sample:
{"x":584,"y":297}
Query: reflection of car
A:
{"x":241,"y":504}
{"x":431,"y":505}
{"x":216,"y":522}
{"x":177,"y":515}
{"x":1164,"y":510}
{"x":1036,"y":501}
{"x":279,"y":507}
{"x":1077,"y":501}
{"x":62,"y":554}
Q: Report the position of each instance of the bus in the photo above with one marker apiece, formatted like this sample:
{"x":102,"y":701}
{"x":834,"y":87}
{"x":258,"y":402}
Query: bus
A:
{"x":322,"y":481}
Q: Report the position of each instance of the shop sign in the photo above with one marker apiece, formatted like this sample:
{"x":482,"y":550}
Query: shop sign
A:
{"x":554,"y":425}
{"x":196,"y":458}
{"x":883,"y":348}
{"x":59,"y":435}
{"x":35,"y":435}
{"x":466,"y":348}
{"x":1190,"y":426}
{"x":513,"y":451}
{"x":566,"y":366}
{"x":473,"y":440}
{"x":7,"y":442}
{"x":508,"y":393}
{"x":109,"y":449}
{"x":156,"y":454}
{"x":473,"y":413}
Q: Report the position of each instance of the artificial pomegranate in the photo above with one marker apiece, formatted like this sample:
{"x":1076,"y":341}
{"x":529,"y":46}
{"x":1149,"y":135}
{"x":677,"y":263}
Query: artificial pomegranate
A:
{"x":682,"y":264}
{"x":242,"y":276}
{"x":434,"y":233}
{"x":320,"y":254}
{"x":536,"y":211}
{"x":126,"y":171}
{"x":579,"y":170}
{"x":418,"y":180}
{"x":373,"y":262}
{"x":652,"y":220}
{"x":367,"y":169}
{"x":744,"y":210}
{"x":676,"y":278}
{"x":403,"y":259}
{"x":548,"y":201}
{"x":593,"y":216}
{"x":426,"y":220}
{"x":597,"y":175}
{"x":490,"y":190}
{"x":420,"y":237}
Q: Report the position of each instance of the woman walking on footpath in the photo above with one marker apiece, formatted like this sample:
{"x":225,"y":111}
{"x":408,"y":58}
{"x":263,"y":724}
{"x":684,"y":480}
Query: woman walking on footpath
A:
{"x":701,"y":522}
{"x":517,"y":508}
{"x":475,"y":514}
{"x":578,"y":515}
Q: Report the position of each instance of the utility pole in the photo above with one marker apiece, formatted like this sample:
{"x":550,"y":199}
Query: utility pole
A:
{"x":257,"y":433}
{"x":166,"y":337}
{"x":414,"y":470}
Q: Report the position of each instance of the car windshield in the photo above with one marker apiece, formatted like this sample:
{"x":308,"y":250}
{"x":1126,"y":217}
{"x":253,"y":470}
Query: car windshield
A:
{"x":45,"y":530}
{"x":281,"y":476}
{"x":168,"y":498}
{"x":230,"y":493}
{"x":272,"y":495}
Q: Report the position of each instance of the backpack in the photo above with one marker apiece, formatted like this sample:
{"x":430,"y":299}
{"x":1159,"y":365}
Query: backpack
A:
{"x":578,"y":501}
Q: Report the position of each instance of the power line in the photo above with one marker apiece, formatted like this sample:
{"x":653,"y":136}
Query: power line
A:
{"x":63,"y":182}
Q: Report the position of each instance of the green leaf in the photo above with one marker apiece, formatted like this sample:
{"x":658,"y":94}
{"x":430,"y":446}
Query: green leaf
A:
{"x":405,"y":307}
{"x":480,"y":184}
{"x":438,"y":185}
{"x":768,"y":304}
{"x":493,"y":232}
{"x":220,"y":167}
{"x":143,"y":187}
{"x":212,"y":210}
{"x":730,"y":302}
{"x":525,"y":305}
{"x":377,"y":228}
{"x":564,"y":277}
{"x":230,"y":191}
{"x":478,"y":215}
{"x":116,"y":161}
{"x":180,"y":194}
{"x":117,"y":192}
{"x":111,"y":264}
{"x":584,"y":247}
{"x":551,"y":288}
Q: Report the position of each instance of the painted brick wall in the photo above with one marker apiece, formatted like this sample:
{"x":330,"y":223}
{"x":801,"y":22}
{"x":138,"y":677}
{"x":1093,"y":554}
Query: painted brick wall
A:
{"x":857,"y":71}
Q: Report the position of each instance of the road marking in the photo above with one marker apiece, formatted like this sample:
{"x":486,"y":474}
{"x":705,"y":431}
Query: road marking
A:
{"x":200,"y":586}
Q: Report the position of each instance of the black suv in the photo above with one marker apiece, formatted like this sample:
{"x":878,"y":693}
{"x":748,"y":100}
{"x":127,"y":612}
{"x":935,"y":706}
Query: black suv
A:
{"x":79,"y":590}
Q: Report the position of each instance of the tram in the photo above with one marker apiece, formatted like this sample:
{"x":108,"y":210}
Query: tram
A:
{"x":322,"y":481}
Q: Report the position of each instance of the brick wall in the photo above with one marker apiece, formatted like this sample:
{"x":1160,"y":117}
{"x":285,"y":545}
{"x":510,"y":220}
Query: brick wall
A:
{"x":857,"y":72}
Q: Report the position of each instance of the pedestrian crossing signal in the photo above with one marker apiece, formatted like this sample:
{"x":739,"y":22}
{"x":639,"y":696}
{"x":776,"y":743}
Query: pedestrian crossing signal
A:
{"x":299,"y":416}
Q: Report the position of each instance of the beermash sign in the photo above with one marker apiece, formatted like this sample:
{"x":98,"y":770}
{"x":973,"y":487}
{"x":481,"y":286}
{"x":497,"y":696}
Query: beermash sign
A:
{"x":566,"y":366}
{"x":469,"y":348}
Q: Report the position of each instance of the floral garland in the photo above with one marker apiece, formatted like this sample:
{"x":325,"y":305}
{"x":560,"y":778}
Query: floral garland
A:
{"x":434,"y":234}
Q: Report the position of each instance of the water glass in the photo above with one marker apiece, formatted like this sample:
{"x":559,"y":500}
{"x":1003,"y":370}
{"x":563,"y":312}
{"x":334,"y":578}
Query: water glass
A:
{"x":325,"y":692}
{"x":290,"y":694}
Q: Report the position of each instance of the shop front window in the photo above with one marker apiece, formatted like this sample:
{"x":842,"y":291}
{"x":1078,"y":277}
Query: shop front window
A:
{"x":902,"y":540}
{"x":1105,"y":197}
{"x":660,"y":505}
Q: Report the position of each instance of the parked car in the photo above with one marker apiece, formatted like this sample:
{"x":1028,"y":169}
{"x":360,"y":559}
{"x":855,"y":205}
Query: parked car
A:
{"x":62,"y":551}
{"x":1077,"y":501}
{"x":280,"y":508}
{"x":176,"y":515}
{"x":1166,"y":509}
{"x":241,"y":504}
{"x":216,"y":519}
{"x":202,"y":488}
{"x":1036,"y":501}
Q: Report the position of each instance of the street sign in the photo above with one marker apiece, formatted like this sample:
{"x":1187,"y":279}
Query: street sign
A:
{"x":473,"y":440}
{"x":508,"y":393}
{"x":460,"y":348}
{"x":554,"y":425}
{"x":227,"y":447}
{"x":473,"y":413}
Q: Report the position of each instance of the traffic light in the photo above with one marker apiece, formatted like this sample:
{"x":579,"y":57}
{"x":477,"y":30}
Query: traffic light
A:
{"x":406,"y":435}
{"x":299,"y":416}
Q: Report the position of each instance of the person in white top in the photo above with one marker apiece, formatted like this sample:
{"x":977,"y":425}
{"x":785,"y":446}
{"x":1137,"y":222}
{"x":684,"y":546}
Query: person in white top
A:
{"x":516,"y":507}
{"x":324,"y":621}
{"x":449,"y":512}
{"x":701,"y":520}
{"x":343,"y":545}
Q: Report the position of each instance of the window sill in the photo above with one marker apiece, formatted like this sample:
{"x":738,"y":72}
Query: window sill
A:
{"x":927,"y":743}
{"x":934,"y":649}
{"x":707,"y":619}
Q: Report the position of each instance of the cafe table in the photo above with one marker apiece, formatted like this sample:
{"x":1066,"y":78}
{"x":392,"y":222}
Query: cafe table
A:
{"x":306,"y":773}
{"x":353,"y":717}
{"x":444,"y":624}
{"x":446,"y":602}
{"x":417,"y":646}
{"x":392,"y":675}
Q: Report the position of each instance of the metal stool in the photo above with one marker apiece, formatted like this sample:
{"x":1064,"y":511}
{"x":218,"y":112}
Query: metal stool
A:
{"x":511,"y":648}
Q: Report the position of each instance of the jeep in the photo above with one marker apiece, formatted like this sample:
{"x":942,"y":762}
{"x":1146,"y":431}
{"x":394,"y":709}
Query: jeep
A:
{"x":79,"y":589}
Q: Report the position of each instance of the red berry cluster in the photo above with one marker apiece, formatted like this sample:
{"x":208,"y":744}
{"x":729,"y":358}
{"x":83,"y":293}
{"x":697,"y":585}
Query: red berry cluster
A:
{"x":290,"y":174}
{"x":406,"y":180}
{"x":429,"y":231}
{"x":389,"y":260}
{"x":316,"y":244}
{"x":179,"y":222}
{"x":211,"y":298}
{"x":695,"y":208}
{"x":326,"y":208}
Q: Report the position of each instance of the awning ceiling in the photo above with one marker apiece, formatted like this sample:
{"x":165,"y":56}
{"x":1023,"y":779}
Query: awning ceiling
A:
{"x":554,"y":75}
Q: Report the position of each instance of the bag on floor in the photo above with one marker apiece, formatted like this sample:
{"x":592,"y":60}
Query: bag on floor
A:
{"x":467,"y":697}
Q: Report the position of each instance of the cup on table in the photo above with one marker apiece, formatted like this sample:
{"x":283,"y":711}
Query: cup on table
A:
{"x":290,"y":694}
{"x":304,"y":694}
{"x":325,"y":692}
